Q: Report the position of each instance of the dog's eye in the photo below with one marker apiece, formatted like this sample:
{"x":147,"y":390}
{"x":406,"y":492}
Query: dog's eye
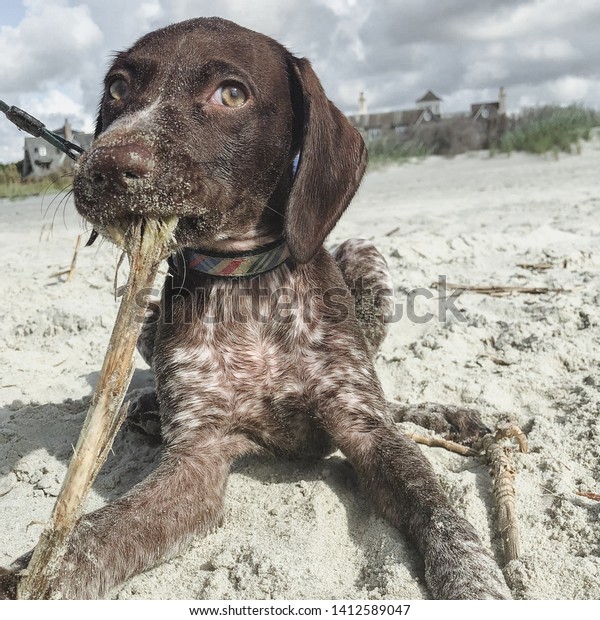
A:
{"x":118,"y":89}
{"x":230,"y":95}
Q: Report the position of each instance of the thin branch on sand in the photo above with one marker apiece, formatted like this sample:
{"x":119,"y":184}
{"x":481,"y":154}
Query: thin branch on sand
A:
{"x":439,"y":442}
{"x":503,"y":475}
{"x":499,"y":290}
{"x":70,"y":272}
{"x":589,"y":495}
{"x":535,"y":266}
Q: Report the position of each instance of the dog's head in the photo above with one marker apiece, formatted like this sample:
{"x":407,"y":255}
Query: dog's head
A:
{"x":203,"y":120}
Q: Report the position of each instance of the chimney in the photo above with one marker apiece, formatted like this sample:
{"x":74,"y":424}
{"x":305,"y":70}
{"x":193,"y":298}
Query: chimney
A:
{"x":68,"y":130}
{"x":502,"y":101}
{"x":362,"y":105}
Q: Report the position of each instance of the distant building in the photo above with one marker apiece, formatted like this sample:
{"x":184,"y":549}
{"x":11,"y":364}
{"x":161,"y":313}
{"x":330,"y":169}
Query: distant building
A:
{"x":490,"y":109}
{"x":373,"y":126}
{"x":41,"y":158}
{"x":430,"y":101}
{"x":428,"y":109}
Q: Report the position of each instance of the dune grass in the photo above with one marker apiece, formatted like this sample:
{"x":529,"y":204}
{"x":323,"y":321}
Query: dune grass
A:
{"x":13,"y":188}
{"x":16,"y":191}
{"x":394,"y":149}
{"x":550,"y":129}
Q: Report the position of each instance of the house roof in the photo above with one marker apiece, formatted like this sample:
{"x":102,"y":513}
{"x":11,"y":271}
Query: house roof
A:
{"x":428,"y":96}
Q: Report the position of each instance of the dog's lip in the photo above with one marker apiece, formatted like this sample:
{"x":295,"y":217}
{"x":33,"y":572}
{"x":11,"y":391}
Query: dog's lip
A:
{"x":116,"y":230}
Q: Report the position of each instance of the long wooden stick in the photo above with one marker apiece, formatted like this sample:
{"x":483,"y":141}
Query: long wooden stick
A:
{"x":147,"y":243}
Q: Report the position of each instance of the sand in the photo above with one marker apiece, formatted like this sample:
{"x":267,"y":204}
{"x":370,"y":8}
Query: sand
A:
{"x":295,"y":531}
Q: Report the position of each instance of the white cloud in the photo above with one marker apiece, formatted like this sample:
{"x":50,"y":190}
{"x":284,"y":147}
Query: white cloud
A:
{"x":553,"y":48}
{"x":56,"y":105}
{"x":264,"y":16}
{"x":573,"y":88}
{"x":513,"y":20}
{"x":149,"y":12}
{"x":50,"y":43}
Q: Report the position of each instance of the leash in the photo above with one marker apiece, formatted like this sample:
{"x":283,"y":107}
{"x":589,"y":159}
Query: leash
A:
{"x":36,"y":128}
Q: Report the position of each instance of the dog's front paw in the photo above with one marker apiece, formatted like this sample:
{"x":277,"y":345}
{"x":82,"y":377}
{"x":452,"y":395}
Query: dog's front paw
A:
{"x":9,"y":580}
{"x":142,"y":414}
{"x":455,"y":423}
{"x":457,"y":566}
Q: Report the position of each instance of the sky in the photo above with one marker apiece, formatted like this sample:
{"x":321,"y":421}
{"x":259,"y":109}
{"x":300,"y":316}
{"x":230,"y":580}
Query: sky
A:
{"x":54,"y":53}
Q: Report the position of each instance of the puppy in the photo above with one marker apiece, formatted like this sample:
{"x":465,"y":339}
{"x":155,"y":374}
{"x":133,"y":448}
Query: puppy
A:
{"x":225,"y":129}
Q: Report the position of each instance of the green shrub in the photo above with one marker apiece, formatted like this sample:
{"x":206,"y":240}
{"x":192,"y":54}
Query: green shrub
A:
{"x":549,"y":129}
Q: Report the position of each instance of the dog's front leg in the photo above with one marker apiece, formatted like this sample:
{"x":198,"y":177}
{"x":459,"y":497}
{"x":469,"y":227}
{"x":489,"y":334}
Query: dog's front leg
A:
{"x":403,"y":487}
{"x":154,"y":521}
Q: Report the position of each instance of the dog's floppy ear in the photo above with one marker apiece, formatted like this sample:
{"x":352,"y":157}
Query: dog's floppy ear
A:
{"x":332,"y":162}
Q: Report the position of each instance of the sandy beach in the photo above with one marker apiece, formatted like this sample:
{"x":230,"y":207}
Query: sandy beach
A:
{"x":294,"y":531}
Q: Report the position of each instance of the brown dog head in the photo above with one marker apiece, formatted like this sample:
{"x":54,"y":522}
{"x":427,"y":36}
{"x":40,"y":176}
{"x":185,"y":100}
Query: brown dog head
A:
{"x":203,"y":120}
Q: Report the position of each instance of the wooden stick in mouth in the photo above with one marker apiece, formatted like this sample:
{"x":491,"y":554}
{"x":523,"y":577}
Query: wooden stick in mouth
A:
{"x":147,"y":243}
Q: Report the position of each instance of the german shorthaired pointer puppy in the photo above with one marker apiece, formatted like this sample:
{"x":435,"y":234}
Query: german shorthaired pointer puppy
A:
{"x":262,"y":340}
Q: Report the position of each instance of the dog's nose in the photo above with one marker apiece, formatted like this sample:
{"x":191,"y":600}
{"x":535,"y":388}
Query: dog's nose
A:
{"x":124,"y":166}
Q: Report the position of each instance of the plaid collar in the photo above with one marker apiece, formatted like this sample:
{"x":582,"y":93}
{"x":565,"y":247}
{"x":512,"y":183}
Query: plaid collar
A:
{"x":243,"y":265}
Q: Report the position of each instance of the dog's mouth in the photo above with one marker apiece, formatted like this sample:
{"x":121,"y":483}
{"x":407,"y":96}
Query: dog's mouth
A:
{"x":184,"y":231}
{"x":118,"y":182}
{"x":121,"y":231}
{"x":116,"y":185}
{"x":131,"y":233}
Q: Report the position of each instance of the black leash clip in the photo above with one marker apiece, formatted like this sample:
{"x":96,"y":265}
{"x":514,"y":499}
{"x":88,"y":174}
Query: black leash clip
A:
{"x":36,"y":128}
